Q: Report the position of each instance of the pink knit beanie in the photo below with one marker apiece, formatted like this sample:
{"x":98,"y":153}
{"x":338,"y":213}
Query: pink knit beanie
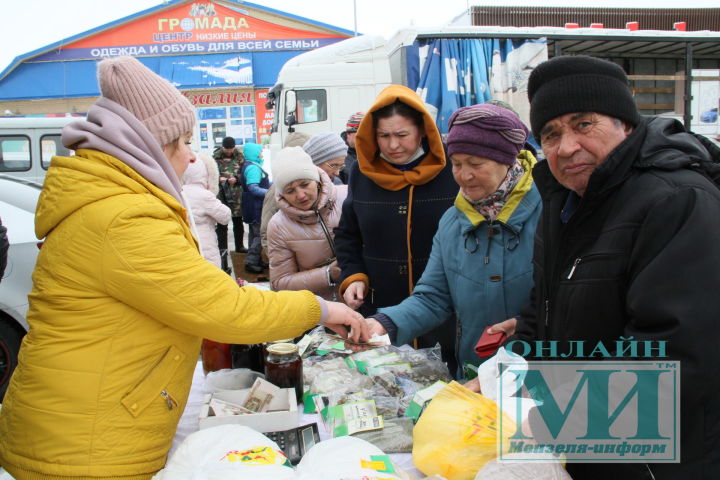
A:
{"x":164,"y":111}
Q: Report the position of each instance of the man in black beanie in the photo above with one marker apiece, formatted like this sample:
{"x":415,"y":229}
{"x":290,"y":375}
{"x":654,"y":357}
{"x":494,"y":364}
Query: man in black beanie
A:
{"x":626,"y":248}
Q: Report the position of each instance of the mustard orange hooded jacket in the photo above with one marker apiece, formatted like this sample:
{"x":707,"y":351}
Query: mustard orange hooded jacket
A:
{"x":390,"y":216}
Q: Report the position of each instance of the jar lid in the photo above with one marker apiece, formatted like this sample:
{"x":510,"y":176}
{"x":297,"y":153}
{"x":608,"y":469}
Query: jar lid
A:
{"x":284,"y":340}
{"x":282,"y":348}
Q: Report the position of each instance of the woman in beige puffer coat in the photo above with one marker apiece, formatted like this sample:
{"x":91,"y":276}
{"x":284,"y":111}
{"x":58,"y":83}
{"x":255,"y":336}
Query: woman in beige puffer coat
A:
{"x":301,"y":255}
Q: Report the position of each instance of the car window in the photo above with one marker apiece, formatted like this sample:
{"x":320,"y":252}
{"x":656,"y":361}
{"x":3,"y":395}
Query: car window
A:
{"x":14,"y":153}
{"x":50,"y":146}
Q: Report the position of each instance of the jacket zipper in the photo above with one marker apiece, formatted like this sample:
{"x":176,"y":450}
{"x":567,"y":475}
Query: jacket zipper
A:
{"x":490,"y":235}
{"x":652,"y":476}
{"x":458,"y":334}
{"x":169,"y":400}
{"x":574,"y":265}
{"x":327,"y":233}
{"x":491,"y":232}
{"x":458,"y":331}
{"x":579,"y":260}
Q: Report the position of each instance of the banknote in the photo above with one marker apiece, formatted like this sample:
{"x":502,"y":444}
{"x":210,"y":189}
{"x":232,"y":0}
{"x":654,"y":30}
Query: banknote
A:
{"x":222,"y":408}
{"x":260,"y":396}
{"x":374,"y":341}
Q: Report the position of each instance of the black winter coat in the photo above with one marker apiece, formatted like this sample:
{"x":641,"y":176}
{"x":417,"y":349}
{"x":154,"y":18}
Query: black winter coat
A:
{"x":350,"y":160}
{"x":371,"y":237}
{"x":640,"y":257}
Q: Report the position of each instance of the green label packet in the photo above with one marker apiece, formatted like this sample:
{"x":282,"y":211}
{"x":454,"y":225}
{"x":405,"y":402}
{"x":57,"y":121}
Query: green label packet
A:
{"x":394,"y":368}
{"x":387,"y":359}
{"x":326,"y":348}
{"x":363,"y":424}
{"x":351,"y":364}
{"x":354,"y":417}
{"x":421,"y":398}
{"x":359,"y":360}
{"x":309,"y":402}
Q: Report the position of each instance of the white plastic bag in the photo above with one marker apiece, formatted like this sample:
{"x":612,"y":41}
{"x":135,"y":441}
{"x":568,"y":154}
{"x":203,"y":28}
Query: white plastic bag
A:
{"x":227,"y":452}
{"x":494,"y":470}
{"x":231,"y":379}
{"x":346,"y":458}
{"x":492,"y":379}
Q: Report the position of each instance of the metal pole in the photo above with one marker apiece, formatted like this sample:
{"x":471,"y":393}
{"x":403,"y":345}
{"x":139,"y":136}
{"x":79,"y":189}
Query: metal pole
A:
{"x":687,"y":115}
{"x":355,"y":15}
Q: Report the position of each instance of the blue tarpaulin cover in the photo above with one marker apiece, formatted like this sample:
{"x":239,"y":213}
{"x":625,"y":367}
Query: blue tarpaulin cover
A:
{"x":449,"y":73}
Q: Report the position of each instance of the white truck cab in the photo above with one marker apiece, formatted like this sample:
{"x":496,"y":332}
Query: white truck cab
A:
{"x":328,"y":85}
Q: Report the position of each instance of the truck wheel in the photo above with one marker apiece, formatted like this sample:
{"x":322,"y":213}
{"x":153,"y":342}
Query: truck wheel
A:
{"x":10,"y":340}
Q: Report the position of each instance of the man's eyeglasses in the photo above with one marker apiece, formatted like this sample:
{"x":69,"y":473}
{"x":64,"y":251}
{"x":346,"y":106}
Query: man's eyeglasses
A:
{"x":338,"y":167}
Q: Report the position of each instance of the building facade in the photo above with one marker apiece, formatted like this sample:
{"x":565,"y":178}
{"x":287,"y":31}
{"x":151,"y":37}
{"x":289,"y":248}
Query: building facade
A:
{"x":223,"y":55}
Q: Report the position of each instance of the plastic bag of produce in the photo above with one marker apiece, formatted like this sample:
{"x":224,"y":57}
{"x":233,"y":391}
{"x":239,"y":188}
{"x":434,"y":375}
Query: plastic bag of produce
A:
{"x":340,"y":381}
{"x":396,"y":436}
{"x":457,"y":433}
{"x":314,"y":367}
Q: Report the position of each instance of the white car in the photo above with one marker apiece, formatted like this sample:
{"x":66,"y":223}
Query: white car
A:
{"x":27,"y":144}
{"x":18,"y":199}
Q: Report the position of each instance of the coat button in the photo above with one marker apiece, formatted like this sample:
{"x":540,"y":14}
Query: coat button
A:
{"x":133,"y":406}
{"x":177,"y":358}
{"x":495,"y":278}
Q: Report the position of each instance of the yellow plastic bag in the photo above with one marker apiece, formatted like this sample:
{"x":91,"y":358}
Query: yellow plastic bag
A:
{"x":457,"y":434}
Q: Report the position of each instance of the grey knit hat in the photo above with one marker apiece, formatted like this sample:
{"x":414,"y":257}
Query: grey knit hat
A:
{"x":164,"y":111}
{"x":325,"y":146}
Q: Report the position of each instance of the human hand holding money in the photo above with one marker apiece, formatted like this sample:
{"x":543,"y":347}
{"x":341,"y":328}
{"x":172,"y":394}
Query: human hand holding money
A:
{"x":373,"y":342}
{"x":378,"y":336}
{"x":340,"y":317}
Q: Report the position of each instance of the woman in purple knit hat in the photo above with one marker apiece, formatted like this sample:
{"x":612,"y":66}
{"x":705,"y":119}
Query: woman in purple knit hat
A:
{"x":480,"y":266}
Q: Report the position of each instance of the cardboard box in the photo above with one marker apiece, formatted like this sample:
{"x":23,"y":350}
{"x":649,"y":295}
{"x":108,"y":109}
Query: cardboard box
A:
{"x":238,"y":264}
{"x":282,"y":414}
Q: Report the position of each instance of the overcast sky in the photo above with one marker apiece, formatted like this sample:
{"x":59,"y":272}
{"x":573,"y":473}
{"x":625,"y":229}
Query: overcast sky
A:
{"x":31,"y":24}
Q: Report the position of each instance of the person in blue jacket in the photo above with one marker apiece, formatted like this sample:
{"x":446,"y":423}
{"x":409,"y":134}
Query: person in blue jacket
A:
{"x":255,"y":184}
{"x":480,"y":266}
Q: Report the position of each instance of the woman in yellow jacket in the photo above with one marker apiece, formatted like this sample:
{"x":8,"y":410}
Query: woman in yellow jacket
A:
{"x":121,"y":296}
